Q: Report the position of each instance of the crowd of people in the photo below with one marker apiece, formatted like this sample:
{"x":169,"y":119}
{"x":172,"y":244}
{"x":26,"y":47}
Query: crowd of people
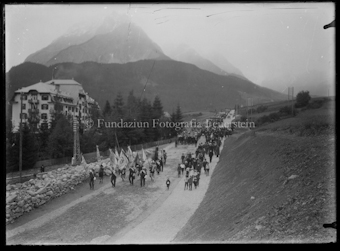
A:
{"x":191,"y":164}
{"x":135,"y":168}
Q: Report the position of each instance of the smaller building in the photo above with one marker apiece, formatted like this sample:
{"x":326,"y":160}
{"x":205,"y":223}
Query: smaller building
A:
{"x":39,"y":101}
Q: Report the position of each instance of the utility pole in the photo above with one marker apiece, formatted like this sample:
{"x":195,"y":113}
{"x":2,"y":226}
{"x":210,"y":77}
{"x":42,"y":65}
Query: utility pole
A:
{"x":53,"y":72}
{"x":292,"y":100}
{"x":247,"y":109}
{"x":251,"y":109}
{"x":76,"y":144}
{"x":20,"y":142}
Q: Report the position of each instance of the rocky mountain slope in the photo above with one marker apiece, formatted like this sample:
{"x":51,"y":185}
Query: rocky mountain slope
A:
{"x":112,"y":40}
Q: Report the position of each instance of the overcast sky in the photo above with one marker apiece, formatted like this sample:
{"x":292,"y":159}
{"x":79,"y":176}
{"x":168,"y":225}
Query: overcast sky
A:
{"x":265,"y":41}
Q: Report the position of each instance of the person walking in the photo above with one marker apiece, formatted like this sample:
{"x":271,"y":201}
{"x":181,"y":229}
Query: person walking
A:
{"x":211,"y":153}
{"x":195,"y":181}
{"x":182,"y":168}
{"x":42,"y":169}
{"x":207,"y":168}
{"x":158,"y":166}
{"x":168,"y":183}
{"x":113,"y":177}
{"x":122,"y":173}
{"x":131,"y":175}
{"x":217,"y":150}
{"x":142,"y":177}
{"x":152,"y":170}
{"x":101,"y":174}
{"x":164,"y":157}
{"x":161,"y":163}
{"x":179,"y":170}
{"x":92,"y":178}
{"x":186,"y":183}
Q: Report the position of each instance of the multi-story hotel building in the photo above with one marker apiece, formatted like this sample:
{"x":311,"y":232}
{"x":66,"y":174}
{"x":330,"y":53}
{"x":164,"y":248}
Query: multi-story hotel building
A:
{"x":39,"y":100}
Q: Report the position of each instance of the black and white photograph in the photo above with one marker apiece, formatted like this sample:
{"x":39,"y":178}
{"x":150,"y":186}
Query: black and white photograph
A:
{"x":157,"y":123}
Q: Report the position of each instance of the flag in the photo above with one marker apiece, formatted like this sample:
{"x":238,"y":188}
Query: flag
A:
{"x":83,"y":161}
{"x":98,"y":153}
{"x":137,"y":159}
{"x":143,"y":155}
{"x":130,"y":154}
{"x":123,"y":160}
{"x":116,"y":154}
{"x":113,"y":158}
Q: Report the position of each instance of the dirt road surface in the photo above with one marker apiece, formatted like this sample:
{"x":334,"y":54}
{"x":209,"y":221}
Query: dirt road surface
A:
{"x":124,"y":214}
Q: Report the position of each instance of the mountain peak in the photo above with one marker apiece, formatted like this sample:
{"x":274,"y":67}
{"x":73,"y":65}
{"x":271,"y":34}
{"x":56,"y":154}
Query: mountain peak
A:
{"x":104,"y":40}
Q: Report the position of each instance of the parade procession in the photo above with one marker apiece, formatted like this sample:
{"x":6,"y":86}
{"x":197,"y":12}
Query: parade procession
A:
{"x":145,"y":164}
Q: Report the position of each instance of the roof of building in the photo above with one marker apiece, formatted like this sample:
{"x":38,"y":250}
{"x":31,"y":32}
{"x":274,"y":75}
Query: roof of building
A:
{"x":42,"y":87}
{"x":63,"y":82}
{"x":50,"y":87}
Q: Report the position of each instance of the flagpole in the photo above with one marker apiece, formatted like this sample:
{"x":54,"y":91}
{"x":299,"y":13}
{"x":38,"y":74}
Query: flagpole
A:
{"x":117,"y":141}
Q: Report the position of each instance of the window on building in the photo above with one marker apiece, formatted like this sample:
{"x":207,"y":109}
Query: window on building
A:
{"x":44,"y":116}
{"x":23,"y":106}
{"x":44,"y":97}
{"x":44,"y":107}
{"x":24,"y":97}
{"x":72,"y":109}
{"x":66,"y":113}
{"x":23,"y":115}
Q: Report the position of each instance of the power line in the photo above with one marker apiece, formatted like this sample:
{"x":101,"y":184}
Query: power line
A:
{"x":147,"y":80}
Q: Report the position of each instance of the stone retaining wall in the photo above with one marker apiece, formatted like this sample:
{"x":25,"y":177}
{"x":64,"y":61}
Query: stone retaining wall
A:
{"x":24,"y":197}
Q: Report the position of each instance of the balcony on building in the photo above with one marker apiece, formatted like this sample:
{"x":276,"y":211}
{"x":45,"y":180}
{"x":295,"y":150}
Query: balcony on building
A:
{"x":33,"y":101}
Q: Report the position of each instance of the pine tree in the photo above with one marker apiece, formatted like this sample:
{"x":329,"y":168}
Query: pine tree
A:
{"x":157,"y":108}
{"x":60,"y":142}
{"x":29,"y":149}
{"x":118,"y":107}
{"x":132,"y":106}
{"x":179,"y":115}
{"x":107,"y":109}
{"x":44,"y":133}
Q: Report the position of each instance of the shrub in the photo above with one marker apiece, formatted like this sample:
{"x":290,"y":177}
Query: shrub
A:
{"x":302,"y":99}
{"x":310,"y":128}
{"x":315,"y":104}
{"x":243,"y":119}
{"x":262,"y":120}
{"x":261,"y":108}
{"x":275,"y":116}
{"x":286,"y":110}
{"x":251,"y":110}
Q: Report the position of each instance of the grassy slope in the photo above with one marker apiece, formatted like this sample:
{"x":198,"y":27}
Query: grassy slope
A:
{"x":251,"y":199}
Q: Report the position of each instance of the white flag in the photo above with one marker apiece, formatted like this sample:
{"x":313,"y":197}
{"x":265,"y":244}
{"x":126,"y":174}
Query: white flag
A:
{"x":116,"y":154}
{"x":130,"y":154}
{"x":113,"y":158}
{"x":143,"y":155}
{"x":123,"y":161}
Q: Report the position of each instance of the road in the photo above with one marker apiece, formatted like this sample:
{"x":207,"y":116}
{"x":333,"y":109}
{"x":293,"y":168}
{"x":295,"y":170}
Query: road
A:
{"x":124,"y":214}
